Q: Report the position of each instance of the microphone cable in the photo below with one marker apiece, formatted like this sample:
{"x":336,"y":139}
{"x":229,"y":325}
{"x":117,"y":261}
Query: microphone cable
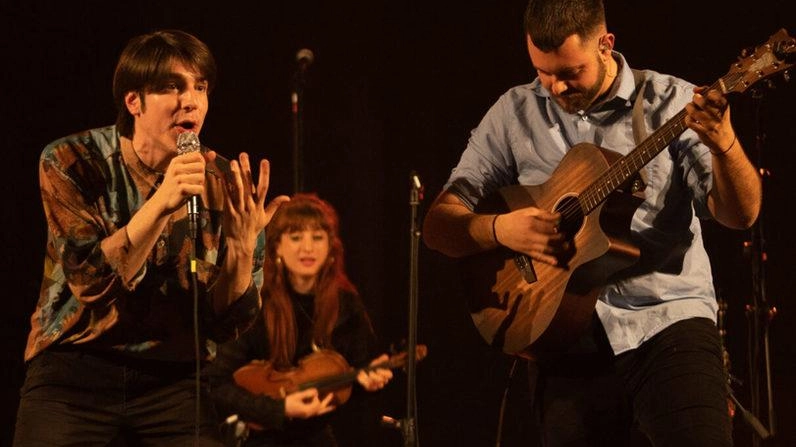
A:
{"x":197,"y":338}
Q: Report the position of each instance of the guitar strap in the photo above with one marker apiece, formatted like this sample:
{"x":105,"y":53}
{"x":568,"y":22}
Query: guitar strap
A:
{"x":639,"y":182}
{"x":639,"y":129}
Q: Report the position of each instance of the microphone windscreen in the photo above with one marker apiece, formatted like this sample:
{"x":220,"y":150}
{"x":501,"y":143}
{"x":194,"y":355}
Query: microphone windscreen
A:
{"x":187,"y":142}
{"x":305,"y":56}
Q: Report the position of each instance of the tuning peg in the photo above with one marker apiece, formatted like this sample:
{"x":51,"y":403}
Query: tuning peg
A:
{"x":786,"y":75}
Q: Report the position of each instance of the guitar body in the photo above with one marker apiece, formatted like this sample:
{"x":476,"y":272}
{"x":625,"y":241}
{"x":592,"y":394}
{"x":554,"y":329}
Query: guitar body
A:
{"x":529,"y":316}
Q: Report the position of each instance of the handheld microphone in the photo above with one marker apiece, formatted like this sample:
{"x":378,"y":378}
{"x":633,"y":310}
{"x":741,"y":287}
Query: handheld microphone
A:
{"x":189,"y":142}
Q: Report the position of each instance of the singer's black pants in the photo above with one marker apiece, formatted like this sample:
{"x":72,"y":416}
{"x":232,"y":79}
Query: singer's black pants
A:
{"x":75,"y":398}
{"x":672,"y":390}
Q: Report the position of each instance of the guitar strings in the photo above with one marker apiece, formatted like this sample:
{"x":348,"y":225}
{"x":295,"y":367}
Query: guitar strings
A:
{"x":616,"y":174}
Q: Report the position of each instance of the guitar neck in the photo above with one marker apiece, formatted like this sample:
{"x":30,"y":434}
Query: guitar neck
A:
{"x":625,"y":167}
{"x":776,"y":56}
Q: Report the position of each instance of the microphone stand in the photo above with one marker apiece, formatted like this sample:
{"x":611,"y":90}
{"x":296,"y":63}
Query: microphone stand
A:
{"x":759,"y":313}
{"x":297,"y":113}
{"x":407,"y":424}
{"x":415,"y":195}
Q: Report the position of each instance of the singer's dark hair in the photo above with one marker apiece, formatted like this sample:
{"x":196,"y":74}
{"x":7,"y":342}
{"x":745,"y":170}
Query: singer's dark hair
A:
{"x":145,"y":62}
{"x":304,"y":211}
{"x":550,"y":22}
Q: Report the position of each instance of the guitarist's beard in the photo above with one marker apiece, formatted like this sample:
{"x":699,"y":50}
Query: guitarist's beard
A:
{"x":573,"y":101}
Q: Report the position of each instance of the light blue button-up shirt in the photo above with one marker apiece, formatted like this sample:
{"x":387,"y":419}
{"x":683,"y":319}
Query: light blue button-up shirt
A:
{"x":524,"y":136}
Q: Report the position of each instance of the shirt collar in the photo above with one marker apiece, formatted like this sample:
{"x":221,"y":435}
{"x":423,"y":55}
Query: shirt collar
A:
{"x":627,"y":84}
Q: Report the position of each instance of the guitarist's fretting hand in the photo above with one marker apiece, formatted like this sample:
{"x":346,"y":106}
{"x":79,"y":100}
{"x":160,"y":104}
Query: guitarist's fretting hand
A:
{"x":734,"y":199}
{"x":709,"y":116}
{"x":536,"y":233}
{"x":375,"y":379}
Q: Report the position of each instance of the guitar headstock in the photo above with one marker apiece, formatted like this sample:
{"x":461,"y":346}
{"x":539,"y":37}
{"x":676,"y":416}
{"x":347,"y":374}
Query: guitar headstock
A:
{"x":775,"y":56}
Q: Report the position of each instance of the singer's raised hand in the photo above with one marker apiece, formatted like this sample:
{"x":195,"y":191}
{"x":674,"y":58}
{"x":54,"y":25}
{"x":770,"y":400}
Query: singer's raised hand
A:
{"x":247,"y":213}
{"x":245,"y":216}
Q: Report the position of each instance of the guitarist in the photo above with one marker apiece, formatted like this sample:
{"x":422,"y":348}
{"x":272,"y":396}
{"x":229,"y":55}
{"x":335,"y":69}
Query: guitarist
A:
{"x":308,"y":302}
{"x":652,"y":359}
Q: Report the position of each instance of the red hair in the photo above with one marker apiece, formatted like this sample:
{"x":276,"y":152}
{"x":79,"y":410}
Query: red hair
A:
{"x":304,"y":211}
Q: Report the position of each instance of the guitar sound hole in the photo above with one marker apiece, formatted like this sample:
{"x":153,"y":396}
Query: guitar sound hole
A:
{"x":571,"y":216}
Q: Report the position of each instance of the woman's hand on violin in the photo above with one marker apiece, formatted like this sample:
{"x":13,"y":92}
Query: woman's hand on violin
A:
{"x":376,"y":379}
{"x":306,"y":404}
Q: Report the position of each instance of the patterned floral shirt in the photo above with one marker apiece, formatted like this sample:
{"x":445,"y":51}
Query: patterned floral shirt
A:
{"x":92,"y":183}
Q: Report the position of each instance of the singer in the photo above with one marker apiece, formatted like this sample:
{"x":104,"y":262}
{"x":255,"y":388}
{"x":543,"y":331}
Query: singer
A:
{"x":112,"y":351}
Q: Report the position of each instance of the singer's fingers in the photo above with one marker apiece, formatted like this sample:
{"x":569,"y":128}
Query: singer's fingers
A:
{"x":263,"y":183}
{"x":236,"y":190}
{"x":274,"y":205}
{"x":246,"y":170}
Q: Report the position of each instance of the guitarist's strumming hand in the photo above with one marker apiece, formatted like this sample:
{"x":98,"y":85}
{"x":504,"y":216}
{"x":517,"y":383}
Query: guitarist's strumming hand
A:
{"x":376,"y":379}
{"x":306,"y":404}
{"x":534,"y":232}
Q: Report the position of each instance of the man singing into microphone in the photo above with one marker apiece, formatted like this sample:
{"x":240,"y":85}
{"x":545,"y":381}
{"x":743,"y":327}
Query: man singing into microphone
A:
{"x":113,"y":347}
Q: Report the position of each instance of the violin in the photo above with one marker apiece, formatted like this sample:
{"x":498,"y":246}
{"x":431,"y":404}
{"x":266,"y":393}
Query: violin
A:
{"x":324,"y":369}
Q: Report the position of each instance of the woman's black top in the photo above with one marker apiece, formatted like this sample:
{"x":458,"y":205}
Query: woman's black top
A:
{"x":352,"y":337}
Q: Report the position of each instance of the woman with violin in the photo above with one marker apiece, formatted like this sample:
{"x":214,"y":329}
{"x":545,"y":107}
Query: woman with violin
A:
{"x":313,"y":326}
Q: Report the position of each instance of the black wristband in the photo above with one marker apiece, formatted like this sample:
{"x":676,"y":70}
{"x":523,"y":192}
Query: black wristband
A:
{"x":734,"y":139}
{"x":494,"y":232}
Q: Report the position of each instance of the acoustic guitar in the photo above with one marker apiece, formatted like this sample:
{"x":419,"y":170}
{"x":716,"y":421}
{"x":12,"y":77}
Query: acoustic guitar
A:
{"x":527,"y":308}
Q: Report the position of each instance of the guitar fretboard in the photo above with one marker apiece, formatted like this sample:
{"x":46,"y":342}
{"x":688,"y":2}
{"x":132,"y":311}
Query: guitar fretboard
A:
{"x":625,"y":167}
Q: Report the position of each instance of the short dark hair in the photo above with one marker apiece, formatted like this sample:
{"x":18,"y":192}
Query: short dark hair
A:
{"x":145,"y":63}
{"x":550,"y":22}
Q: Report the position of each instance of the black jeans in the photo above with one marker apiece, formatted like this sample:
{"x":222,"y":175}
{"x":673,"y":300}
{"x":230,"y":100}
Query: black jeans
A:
{"x":672,"y":390}
{"x":76,"y":398}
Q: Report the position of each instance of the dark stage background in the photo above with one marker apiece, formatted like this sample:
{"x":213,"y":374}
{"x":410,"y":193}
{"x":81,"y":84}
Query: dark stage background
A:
{"x":395,"y":86}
